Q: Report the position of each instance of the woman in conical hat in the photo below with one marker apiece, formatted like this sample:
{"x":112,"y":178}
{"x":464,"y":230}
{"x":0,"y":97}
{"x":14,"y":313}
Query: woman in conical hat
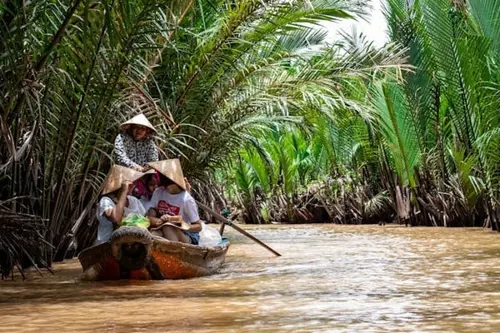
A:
{"x":135,"y":147}
{"x":116,"y":202}
{"x":173,"y":204}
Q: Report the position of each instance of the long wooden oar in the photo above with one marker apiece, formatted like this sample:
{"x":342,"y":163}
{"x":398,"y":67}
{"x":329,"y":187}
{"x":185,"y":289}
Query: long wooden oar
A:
{"x":225,"y":221}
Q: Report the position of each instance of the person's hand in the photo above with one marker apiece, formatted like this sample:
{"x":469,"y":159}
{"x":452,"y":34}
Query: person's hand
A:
{"x":188,"y":186}
{"x":127,"y":185}
{"x":170,"y":218}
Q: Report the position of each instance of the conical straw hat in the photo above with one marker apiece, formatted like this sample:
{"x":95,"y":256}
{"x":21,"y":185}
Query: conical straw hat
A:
{"x":170,"y":169}
{"x":117,"y":175}
{"x":141,"y":120}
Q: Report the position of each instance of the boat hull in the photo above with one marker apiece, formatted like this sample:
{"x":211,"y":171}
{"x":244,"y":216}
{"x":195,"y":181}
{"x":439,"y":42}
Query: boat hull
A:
{"x":160,"y":259}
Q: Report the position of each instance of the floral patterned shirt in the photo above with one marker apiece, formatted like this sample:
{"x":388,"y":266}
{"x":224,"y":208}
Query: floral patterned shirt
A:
{"x":131,"y":154}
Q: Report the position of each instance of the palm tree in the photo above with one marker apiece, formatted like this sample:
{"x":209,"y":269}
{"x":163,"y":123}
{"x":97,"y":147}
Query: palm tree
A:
{"x":67,"y":69}
{"x":428,"y":136}
{"x":452,"y":97}
{"x":208,"y":74}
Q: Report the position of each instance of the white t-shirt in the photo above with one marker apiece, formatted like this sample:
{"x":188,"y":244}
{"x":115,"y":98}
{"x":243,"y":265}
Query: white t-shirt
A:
{"x":181,"y":204}
{"x":105,"y":228}
{"x":144,"y":201}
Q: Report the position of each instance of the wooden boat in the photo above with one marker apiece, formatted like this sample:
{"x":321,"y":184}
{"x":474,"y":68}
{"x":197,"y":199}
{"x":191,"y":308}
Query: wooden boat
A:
{"x":133,"y":253}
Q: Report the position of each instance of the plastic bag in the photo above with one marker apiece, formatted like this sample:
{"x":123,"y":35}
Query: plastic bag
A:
{"x":136,"y":220}
{"x":209,"y":236}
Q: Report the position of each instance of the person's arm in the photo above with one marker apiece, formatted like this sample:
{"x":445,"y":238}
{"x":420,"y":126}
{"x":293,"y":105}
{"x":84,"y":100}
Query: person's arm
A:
{"x":121,"y":154}
{"x":152,"y":151}
{"x":155,"y":221}
{"x":188,"y":185}
{"x":195,"y":226}
{"x":191,"y":211}
{"x":116,"y":214}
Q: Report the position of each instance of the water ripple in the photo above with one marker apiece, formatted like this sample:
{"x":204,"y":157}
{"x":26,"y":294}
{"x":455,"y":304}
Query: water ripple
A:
{"x":329,"y":279}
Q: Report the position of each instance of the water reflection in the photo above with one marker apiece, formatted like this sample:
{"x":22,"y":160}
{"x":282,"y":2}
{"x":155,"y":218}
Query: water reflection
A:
{"x":330,"y":278}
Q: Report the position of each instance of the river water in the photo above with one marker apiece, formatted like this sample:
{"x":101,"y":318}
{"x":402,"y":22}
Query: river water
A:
{"x":329,"y":279}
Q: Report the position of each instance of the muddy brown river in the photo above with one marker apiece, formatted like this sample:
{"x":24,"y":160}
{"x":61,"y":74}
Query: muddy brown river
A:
{"x":329,"y":279}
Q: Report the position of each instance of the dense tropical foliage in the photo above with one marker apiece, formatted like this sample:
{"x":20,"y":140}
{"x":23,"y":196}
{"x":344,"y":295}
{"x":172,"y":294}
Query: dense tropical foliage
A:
{"x":424,"y":148}
{"x":265,"y":114}
{"x":205,"y":73}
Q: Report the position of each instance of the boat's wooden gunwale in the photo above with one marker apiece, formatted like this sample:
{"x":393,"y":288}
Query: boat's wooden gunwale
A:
{"x":176,"y":260}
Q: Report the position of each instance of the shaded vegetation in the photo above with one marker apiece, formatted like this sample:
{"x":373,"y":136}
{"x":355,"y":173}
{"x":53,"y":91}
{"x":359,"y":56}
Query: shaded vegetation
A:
{"x":205,"y":73}
{"x":420,"y":149}
{"x":265,"y":114}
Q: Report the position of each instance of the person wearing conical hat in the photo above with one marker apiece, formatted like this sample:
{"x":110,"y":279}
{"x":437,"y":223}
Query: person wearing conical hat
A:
{"x":116,"y":202}
{"x":145,"y":186}
{"x":135,"y":147}
{"x":173,"y":203}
